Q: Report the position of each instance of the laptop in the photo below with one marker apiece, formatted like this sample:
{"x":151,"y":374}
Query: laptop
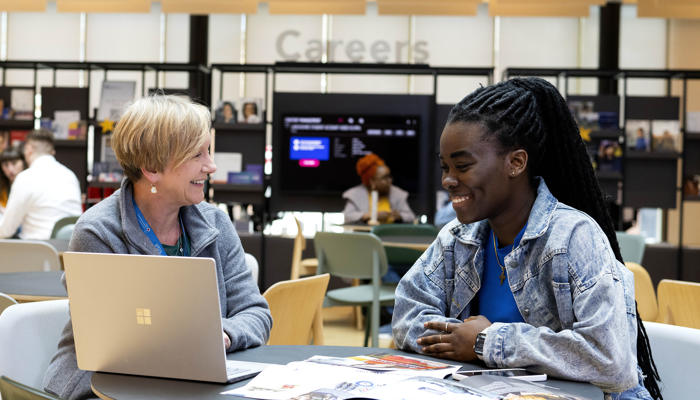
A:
{"x":149,"y":315}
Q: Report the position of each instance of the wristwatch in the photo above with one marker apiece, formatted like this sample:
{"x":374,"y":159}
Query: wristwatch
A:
{"x":479,"y":345}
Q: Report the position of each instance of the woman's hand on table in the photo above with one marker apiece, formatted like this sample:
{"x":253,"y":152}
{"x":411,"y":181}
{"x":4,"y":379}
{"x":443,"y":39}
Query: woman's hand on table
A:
{"x":456,"y":342}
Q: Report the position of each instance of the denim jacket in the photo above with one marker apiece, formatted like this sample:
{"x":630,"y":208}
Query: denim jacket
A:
{"x":576,"y":299}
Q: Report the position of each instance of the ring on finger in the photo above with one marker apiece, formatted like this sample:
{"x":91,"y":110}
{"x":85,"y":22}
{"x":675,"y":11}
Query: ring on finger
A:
{"x":446,"y":326}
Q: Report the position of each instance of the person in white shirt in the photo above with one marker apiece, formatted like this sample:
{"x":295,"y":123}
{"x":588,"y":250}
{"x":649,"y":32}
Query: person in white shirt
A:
{"x":42,"y":194}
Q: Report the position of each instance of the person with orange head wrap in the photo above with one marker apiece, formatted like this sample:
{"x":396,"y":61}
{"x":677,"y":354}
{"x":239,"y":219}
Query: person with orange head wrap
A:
{"x":392,"y":204}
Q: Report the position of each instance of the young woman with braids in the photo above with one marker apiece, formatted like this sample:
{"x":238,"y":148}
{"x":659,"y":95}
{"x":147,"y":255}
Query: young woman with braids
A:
{"x":530,"y":273}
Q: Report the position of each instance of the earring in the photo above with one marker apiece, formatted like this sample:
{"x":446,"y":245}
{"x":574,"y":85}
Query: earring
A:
{"x":512,"y":173}
{"x":153,"y":189}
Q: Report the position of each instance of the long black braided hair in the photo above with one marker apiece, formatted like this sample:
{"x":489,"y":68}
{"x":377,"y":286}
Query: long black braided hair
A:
{"x":529,"y":113}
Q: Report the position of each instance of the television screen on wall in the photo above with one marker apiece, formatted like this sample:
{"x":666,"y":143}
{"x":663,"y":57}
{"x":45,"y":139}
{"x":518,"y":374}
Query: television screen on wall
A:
{"x":318,"y":138}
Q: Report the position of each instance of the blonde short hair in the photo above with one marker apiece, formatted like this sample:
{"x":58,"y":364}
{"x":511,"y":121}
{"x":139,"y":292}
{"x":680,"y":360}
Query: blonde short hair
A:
{"x":157,"y":130}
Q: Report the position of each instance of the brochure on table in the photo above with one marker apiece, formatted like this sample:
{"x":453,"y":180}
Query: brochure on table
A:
{"x":342,"y":378}
{"x":387,"y":377}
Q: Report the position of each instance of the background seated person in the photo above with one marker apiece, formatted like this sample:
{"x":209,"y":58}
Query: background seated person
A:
{"x":392,"y":204}
{"x":523,"y":278}
{"x":162,"y":143}
{"x":42,"y":194}
{"x":11,"y":164}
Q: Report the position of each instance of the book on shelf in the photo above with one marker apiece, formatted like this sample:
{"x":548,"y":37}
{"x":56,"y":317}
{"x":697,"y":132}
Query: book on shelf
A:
{"x":589,"y":120}
{"x":250,"y":110}
{"x":18,"y":136}
{"x":66,"y":125}
{"x":666,"y":136}
{"x":225,"y":113}
{"x":226,"y":163}
{"x":21,"y":104}
{"x":115,"y":96}
{"x":638,"y":134}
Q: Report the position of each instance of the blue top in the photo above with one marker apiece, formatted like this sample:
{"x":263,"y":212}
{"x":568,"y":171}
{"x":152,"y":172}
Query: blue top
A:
{"x":496,"y":301}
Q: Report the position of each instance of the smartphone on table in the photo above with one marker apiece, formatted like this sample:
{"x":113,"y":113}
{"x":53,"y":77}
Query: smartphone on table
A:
{"x":517,"y":373}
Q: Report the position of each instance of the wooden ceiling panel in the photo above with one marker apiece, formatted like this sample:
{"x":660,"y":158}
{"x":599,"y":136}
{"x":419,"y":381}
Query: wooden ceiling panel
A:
{"x":432,"y":7}
{"x":668,"y":9}
{"x":106,"y":6}
{"x":357,"y":7}
{"x":201,"y":7}
{"x":23,"y":5}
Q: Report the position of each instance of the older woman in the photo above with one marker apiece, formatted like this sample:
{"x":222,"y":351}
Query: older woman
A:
{"x":162,"y":143}
{"x":392,"y":203}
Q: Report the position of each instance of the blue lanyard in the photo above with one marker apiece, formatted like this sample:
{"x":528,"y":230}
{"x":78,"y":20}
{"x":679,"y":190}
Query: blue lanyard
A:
{"x":146,"y":228}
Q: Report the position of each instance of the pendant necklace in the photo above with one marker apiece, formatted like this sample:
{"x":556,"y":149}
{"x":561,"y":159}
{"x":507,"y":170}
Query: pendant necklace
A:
{"x":503,"y":268}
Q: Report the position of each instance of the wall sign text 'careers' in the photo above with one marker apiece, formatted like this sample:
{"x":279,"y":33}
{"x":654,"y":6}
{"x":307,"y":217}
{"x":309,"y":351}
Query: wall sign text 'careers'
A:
{"x":290,"y":45}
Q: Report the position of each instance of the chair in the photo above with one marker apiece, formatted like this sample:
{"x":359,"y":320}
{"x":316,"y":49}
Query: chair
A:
{"x":676,"y":351}
{"x":6,"y":301}
{"x":27,"y":255}
{"x":65,"y":221}
{"x":301,"y":267}
{"x":679,"y":303}
{"x":29,"y":334}
{"x":356,"y":256}
{"x":631,"y":246}
{"x":13,"y":390}
{"x":400,"y":255}
{"x":644,"y":292}
{"x":252,"y":265}
{"x":294,"y":306}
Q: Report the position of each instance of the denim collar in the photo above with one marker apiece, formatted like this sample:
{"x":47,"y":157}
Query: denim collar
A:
{"x":537,"y":223}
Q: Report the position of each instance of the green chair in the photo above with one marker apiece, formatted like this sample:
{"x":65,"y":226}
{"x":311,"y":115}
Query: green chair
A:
{"x":356,"y":255}
{"x":13,"y":390}
{"x":631,"y":246}
{"x":394,"y":232}
{"x":63,"y":223}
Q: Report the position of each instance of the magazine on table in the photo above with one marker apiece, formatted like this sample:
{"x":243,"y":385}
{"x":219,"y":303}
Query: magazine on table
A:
{"x":513,"y":389}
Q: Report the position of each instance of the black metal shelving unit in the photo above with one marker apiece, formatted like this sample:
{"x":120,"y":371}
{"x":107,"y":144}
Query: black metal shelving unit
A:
{"x":689,"y":156}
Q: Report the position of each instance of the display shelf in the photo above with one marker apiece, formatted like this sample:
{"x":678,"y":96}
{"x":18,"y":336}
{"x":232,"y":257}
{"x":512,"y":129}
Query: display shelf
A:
{"x":219,"y":127}
{"x":692,"y":135}
{"x":70,"y":143}
{"x":641,"y":155}
{"x":18,"y":124}
{"x":607,"y":134}
{"x":609,"y":175}
{"x":97,"y":184}
{"x":228,"y":187}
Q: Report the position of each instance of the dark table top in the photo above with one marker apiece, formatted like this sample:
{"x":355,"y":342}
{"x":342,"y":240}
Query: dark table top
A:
{"x":33,"y":285}
{"x":116,"y":386}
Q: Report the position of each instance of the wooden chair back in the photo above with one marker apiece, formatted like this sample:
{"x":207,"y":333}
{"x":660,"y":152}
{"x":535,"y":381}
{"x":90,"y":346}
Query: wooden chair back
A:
{"x":295,"y":306}
{"x":679,"y":303}
{"x":6,"y":301}
{"x":644,"y":292}
{"x":301,"y":267}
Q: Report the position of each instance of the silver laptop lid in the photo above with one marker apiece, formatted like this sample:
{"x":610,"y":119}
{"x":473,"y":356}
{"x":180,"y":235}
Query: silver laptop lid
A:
{"x":146,"y":315}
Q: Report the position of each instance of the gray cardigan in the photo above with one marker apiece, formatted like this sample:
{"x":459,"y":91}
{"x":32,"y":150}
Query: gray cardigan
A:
{"x":111,"y":227}
{"x":357,"y":203}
